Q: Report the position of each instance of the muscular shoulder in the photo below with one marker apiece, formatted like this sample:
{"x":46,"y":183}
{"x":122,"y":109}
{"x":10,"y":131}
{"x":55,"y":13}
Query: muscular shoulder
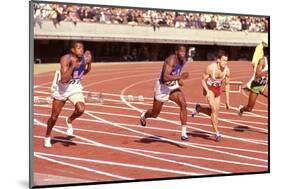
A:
{"x":171,"y":60}
{"x":65,"y":58}
{"x":210,"y":67}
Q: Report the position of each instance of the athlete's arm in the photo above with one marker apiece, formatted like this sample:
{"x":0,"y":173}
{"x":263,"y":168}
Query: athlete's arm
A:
{"x":168,"y":67}
{"x":259,"y":72}
{"x":205,"y":76}
{"x":227,"y":80}
{"x":66,"y":68}
{"x":88,"y":60}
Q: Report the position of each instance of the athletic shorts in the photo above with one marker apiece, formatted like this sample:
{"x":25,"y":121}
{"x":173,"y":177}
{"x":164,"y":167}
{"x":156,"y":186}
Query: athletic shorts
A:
{"x":216,"y":90}
{"x":162,"y":92}
{"x":257,"y":88}
{"x":72,"y":92}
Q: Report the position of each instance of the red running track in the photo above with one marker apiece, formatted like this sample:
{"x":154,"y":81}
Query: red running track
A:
{"x":110,"y":145}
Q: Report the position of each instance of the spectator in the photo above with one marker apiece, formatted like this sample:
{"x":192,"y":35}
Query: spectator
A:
{"x":134,"y":17}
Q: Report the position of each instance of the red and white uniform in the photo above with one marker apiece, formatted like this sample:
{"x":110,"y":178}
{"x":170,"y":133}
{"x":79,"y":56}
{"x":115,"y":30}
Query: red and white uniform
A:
{"x":214,"y":84}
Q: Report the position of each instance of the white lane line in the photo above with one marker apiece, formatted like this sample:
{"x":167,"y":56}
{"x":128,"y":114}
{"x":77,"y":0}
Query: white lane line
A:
{"x":246,"y":114}
{"x":176,"y":123}
{"x":152,"y":128}
{"x":163,"y":112}
{"x":136,"y":153}
{"x":117,"y":164}
{"x":137,"y":117}
{"x":164,"y":153}
{"x":177,"y":142}
{"x":81,"y":167}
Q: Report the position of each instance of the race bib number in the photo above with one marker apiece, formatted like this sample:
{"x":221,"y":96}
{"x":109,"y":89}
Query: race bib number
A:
{"x":262,"y":81}
{"x":74,"y":81}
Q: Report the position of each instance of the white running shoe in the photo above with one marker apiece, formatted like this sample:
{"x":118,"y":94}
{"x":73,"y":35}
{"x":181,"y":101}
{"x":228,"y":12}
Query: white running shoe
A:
{"x":142,"y":119}
{"x":47,"y":142}
{"x":69,"y":130}
{"x":195,"y":111}
{"x":217,"y":137}
{"x":184,"y":137}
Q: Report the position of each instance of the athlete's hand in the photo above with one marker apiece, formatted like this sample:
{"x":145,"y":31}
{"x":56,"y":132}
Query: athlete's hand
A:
{"x":181,"y":83}
{"x":88,"y":57}
{"x":184,"y":75}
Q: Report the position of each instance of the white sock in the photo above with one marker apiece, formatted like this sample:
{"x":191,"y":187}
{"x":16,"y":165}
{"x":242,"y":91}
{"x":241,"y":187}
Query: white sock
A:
{"x":183,"y":130}
{"x":218,"y":134}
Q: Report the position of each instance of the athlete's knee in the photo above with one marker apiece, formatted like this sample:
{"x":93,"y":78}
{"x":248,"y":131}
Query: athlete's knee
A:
{"x":215,"y":111}
{"x":80,"y":107}
{"x":54,"y":117}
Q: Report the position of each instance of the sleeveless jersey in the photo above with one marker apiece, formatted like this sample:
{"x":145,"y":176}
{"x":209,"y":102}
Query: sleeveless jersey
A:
{"x":213,"y":81}
{"x":263,"y":80}
{"x":175,"y":72}
{"x":77,"y":73}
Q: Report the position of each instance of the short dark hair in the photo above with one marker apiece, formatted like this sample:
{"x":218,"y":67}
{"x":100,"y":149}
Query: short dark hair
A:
{"x":222,"y":53}
{"x":73,"y":43}
{"x":178,"y":47}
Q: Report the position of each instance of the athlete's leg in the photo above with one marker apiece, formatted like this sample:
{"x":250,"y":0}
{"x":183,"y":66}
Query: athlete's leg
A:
{"x":79,"y":110}
{"x":179,"y":98}
{"x":251,"y":103}
{"x":265,"y":91}
{"x":214,"y":103}
{"x":204,"y":109}
{"x":215,"y":115}
{"x":79,"y":103}
{"x":56,"y":109}
{"x":154,"y":112}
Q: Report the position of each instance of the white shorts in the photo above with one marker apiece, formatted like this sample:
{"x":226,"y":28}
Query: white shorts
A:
{"x":162,"y":92}
{"x":72,"y":92}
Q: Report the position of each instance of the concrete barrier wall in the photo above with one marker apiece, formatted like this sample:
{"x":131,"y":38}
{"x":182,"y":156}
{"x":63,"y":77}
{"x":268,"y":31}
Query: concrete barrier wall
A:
{"x":126,"y":33}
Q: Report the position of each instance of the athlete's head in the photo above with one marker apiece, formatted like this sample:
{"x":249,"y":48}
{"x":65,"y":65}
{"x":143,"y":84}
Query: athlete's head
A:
{"x":180,"y":52}
{"x":222,"y":58}
{"x":77,"y":48}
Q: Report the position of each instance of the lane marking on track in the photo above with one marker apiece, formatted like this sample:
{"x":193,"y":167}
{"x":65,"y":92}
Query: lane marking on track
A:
{"x":151,"y":128}
{"x":41,"y":156}
{"x":247,"y":114}
{"x":116,"y":164}
{"x":176,"y":123}
{"x":177,"y":142}
{"x":162,"y":153}
{"x":136,"y":153}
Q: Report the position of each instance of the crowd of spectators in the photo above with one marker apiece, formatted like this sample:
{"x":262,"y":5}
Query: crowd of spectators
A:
{"x":142,"y":17}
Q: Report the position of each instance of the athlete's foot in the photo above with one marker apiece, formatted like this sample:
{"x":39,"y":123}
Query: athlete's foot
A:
{"x":69,"y":130}
{"x":47,"y":142}
{"x":217,"y":137}
{"x":142,"y":119}
{"x":184,"y":137}
{"x":240,"y":112}
{"x":195,"y":111}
